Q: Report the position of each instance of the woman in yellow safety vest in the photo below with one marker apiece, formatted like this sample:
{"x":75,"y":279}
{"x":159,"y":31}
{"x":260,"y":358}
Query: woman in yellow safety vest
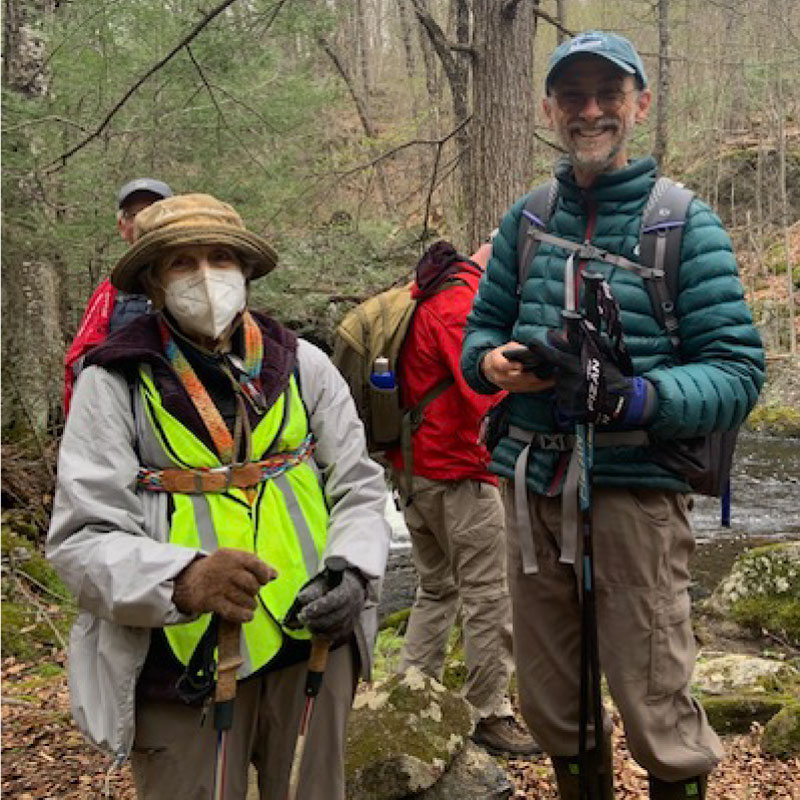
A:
{"x":211,"y":466}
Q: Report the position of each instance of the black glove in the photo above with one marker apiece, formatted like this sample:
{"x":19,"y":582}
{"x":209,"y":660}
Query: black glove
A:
{"x":331,"y":613}
{"x":590,"y":387}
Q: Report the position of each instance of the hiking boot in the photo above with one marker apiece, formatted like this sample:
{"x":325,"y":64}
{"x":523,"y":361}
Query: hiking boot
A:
{"x":689,"y":789}
{"x":567,"y":769}
{"x":504,"y":736}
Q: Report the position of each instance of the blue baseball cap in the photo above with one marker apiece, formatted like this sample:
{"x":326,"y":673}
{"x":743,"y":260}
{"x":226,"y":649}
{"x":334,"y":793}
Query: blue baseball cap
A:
{"x":150,"y":185}
{"x":610,"y":46}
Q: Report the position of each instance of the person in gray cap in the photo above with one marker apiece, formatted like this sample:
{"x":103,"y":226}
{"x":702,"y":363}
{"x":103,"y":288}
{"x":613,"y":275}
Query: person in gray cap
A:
{"x":109,"y":310}
{"x":135,"y":196}
{"x":695,"y":366}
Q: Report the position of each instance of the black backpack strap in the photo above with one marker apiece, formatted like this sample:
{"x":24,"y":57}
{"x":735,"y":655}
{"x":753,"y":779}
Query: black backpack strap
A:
{"x":538,"y":209}
{"x":660,"y":238}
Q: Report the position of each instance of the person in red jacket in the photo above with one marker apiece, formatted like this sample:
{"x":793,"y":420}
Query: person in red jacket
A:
{"x":452,"y":506}
{"x":109,"y":309}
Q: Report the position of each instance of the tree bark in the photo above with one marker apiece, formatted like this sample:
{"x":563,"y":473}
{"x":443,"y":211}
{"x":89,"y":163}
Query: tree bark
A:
{"x":662,"y":93}
{"x":32,"y":345}
{"x":502,"y":127}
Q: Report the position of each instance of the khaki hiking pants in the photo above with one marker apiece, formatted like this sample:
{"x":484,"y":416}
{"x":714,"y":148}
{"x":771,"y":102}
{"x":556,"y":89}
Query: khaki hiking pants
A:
{"x":458,"y":545}
{"x":174,"y":750}
{"x":642,"y":541}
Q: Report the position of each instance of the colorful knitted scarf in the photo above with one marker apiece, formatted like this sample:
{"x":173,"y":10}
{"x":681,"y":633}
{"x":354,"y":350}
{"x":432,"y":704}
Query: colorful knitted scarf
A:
{"x":248,"y":380}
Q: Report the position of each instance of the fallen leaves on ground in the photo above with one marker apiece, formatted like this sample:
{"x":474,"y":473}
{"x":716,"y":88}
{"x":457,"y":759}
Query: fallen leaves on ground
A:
{"x":45,"y":757}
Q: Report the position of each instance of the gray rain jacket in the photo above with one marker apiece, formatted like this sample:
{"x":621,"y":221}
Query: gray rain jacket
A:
{"x":108,"y":541}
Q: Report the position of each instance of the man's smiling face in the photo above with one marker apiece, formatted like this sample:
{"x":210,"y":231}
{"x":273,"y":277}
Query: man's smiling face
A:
{"x":593,"y":107}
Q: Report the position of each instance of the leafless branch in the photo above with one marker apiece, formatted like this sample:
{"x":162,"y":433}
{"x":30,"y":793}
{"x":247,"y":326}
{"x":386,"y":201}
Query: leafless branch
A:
{"x":551,"y":19}
{"x":41,"y":120}
{"x":399,"y":148}
{"x":557,"y":147}
{"x":40,"y":608}
{"x":438,"y":39}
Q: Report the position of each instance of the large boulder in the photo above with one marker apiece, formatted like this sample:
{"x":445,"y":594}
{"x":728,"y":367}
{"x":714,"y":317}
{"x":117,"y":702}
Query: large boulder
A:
{"x":762,"y":592}
{"x":473,"y":775}
{"x":737,"y":690}
{"x":402,"y":736}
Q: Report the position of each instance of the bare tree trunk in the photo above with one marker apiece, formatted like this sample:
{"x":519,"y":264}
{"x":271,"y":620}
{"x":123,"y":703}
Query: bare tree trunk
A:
{"x":456,"y":68}
{"x":411,"y":69}
{"x":502,"y":124}
{"x":662,"y":98}
{"x":785,"y":214}
{"x":32,"y":346}
{"x":362,"y":50}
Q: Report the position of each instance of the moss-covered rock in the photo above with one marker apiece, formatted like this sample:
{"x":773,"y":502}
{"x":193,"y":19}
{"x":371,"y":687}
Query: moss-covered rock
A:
{"x":762,"y":591}
{"x":397,"y":621}
{"x":736,"y":713}
{"x":782,"y":733}
{"x":473,"y":774}
{"x":388,"y":645}
{"x":37,"y":608}
{"x":402,"y":735}
{"x":737,"y":690}
{"x":776,"y":419}
{"x":737,"y":673}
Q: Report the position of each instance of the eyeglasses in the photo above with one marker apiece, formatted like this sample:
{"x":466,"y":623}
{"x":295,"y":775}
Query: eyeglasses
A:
{"x":609,"y":100}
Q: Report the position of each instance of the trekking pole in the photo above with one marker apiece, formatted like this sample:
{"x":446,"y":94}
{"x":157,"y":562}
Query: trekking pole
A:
{"x":589,"y":786}
{"x":318,"y":660}
{"x":228,"y":661}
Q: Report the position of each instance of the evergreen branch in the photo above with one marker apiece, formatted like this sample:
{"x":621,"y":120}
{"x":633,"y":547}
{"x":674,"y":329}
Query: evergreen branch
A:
{"x":220,"y":113}
{"x":60,"y":162}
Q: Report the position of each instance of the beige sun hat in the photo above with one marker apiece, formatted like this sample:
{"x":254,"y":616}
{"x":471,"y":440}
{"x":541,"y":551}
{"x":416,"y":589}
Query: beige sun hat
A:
{"x":187,"y":219}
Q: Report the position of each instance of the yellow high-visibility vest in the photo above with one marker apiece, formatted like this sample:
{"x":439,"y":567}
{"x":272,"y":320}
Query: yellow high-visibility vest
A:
{"x":286,"y":524}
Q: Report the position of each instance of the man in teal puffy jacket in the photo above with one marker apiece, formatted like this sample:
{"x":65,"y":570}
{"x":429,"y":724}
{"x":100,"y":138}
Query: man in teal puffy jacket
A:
{"x":596,"y":94}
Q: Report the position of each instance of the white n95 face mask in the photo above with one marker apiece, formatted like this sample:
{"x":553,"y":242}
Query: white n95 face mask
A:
{"x":207,"y":301}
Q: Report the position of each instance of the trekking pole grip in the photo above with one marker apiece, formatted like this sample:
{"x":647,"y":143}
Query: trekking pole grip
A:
{"x":228,"y":660}
{"x":321,"y":645}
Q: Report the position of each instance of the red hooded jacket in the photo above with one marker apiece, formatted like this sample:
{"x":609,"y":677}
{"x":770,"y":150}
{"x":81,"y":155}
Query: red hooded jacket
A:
{"x":93,"y":330}
{"x":445,"y":447}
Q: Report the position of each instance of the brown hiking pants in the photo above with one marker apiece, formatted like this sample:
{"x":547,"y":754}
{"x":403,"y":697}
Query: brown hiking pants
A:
{"x":642,"y":541}
{"x":174,"y":750}
{"x":458,"y":544}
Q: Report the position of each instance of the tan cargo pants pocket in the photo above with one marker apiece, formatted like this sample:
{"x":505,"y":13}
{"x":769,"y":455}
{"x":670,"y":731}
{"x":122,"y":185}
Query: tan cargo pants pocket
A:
{"x":672,"y":649}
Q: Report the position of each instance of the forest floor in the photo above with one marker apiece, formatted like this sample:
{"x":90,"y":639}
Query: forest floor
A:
{"x":45,"y":757}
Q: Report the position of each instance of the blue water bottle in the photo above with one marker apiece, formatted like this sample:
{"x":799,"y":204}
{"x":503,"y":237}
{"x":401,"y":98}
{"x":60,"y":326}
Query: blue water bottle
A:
{"x":382,"y":377}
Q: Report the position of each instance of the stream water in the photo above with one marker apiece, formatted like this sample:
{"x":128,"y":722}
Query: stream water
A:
{"x":765,"y":495}
{"x":765,"y":507}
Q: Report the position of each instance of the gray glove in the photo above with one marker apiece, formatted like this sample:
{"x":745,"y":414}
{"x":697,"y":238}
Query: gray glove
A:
{"x":332,"y":613}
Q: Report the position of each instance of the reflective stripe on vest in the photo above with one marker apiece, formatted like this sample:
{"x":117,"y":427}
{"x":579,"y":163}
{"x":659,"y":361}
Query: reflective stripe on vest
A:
{"x":286,"y":525}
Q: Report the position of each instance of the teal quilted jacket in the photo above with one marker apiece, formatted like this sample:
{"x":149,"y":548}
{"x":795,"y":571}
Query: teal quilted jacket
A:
{"x":711,"y":385}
